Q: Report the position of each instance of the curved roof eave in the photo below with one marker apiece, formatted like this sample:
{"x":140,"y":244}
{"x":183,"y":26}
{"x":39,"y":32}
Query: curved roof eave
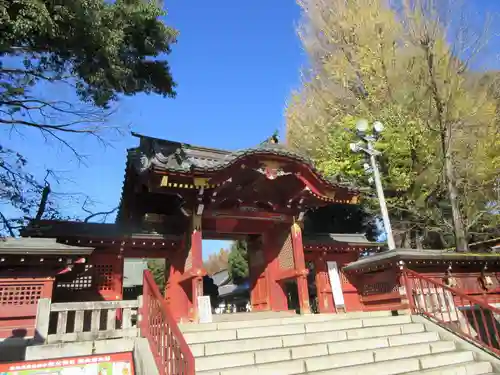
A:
{"x":182,"y":158}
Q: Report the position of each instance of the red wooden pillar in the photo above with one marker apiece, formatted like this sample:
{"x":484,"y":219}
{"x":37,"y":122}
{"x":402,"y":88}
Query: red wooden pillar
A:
{"x":300,"y":266}
{"x":196,"y":267}
{"x":185,"y":282}
{"x":174,"y":293}
{"x":259,"y":276}
{"x":324,"y":290}
{"x":274,"y":240}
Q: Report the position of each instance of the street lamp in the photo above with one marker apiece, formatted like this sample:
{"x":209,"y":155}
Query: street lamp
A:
{"x":366,"y":145}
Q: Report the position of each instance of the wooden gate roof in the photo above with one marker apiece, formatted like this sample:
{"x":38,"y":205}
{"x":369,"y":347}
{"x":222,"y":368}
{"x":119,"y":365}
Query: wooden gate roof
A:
{"x":163,"y":155}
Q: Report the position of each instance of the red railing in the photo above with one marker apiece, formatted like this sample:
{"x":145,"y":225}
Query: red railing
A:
{"x":169,"y":348}
{"x":467,"y":316}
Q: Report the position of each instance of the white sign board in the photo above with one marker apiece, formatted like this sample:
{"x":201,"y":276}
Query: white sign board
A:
{"x":333,"y":274}
{"x":204,"y":309}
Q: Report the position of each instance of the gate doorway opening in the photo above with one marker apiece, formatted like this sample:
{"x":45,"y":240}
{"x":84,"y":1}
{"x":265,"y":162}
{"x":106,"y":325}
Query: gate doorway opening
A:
{"x":133,"y":271}
{"x":312,"y":287}
{"x":227,"y":295}
{"x":292,"y":295}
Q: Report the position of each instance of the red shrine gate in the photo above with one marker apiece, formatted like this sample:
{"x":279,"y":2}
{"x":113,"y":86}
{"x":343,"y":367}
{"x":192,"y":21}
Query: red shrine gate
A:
{"x":175,"y":195}
{"x":262,"y":193}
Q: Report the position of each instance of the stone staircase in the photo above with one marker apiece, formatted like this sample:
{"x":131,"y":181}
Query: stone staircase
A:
{"x":375,"y":343}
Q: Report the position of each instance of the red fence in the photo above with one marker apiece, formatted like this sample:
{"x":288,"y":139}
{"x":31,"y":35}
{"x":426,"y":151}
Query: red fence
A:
{"x":171,"y":352}
{"x":467,"y":316}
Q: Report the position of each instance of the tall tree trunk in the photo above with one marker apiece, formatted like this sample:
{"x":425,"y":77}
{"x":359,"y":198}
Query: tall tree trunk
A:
{"x":458,"y":225}
{"x":445,"y":133}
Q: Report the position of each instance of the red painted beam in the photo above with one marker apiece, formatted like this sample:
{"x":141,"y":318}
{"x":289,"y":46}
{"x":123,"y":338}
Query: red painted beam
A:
{"x":17,"y":311}
{"x":191,"y":274}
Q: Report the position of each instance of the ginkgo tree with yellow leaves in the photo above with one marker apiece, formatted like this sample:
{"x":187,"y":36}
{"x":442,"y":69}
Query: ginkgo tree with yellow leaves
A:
{"x":441,"y":144}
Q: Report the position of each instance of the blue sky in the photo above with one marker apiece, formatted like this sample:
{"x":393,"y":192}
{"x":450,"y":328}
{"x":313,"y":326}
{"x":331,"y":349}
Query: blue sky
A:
{"x":235,"y":63}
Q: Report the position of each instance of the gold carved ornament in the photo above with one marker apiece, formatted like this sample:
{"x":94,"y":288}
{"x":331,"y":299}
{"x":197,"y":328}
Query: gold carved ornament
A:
{"x":296,"y":230}
{"x":486,"y":281}
{"x":200,"y":182}
{"x":164,"y":181}
{"x":196,"y":222}
{"x":448,"y":279}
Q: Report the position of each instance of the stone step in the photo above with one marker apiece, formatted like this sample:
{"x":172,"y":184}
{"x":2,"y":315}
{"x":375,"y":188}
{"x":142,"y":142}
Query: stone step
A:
{"x":416,"y":365}
{"x":291,"y":319}
{"x":320,"y":341}
{"x":252,"y":315}
{"x":341,"y":362}
{"x":468,"y":368}
{"x":238,"y":358}
{"x":356,"y":327}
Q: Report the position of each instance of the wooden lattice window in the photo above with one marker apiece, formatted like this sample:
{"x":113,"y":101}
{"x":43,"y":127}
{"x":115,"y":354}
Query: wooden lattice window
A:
{"x":285,"y":257}
{"x":83,"y":282}
{"x":19,"y":294}
{"x":343,"y":278}
{"x":189,"y":261}
{"x":104,"y":276}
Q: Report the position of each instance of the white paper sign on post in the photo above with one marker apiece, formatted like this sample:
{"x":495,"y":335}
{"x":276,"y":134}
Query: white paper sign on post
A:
{"x":204,"y":309}
{"x":333,"y":274}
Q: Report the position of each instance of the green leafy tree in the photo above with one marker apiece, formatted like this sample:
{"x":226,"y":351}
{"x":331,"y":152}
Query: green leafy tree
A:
{"x":104,"y":48}
{"x":98,"y":49}
{"x":340,"y":218}
{"x":217,"y":262}
{"x":157,"y":268}
{"x":238,"y":262}
{"x":396,"y":65}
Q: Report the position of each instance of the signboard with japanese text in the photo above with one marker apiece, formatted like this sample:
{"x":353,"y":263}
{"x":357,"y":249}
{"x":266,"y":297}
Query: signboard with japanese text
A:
{"x":333,"y":274}
{"x":106,"y":364}
{"x":204,"y":309}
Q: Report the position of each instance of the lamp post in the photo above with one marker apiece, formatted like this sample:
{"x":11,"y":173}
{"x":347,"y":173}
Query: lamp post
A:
{"x":366,"y":146}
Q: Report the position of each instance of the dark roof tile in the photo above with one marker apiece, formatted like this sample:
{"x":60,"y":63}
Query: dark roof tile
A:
{"x":40,"y":246}
{"x":337,"y":238}
{"x":182,"y":157}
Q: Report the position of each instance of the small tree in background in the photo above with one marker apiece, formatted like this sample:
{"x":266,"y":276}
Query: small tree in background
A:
{"x":217,"y":262}
{"x":238,"y":262}
{"x":157,"y":268}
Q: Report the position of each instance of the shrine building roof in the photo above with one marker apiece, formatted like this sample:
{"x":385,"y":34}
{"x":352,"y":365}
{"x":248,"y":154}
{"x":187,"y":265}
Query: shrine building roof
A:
{"x":221,"y":278}
{"x":44,"y":234}
{"x":63,"y":228}
{"x":165,"y":177}
{"x":40,"y":246}
{"x":415,"y":256}
{"x":354,"y":239}
{"x":159,"y":154}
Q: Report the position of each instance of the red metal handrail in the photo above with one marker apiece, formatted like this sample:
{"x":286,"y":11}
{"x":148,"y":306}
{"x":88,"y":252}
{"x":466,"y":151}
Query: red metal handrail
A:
{"x":170,"y":350}
{"x":467,"y":316}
